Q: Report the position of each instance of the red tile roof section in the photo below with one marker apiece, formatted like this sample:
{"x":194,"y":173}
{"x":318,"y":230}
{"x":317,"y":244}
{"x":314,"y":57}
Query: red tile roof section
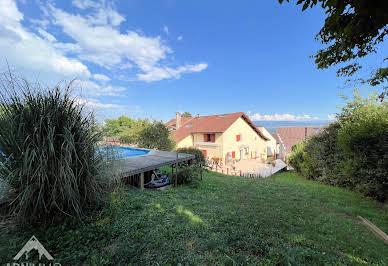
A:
{"x":209,"y":124}
{"x":293,"y":135}
{"x":171,"y":123}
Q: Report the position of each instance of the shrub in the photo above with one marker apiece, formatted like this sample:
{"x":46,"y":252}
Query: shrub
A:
{"x":363,"y":137}
{"x":199,"y":160}
{"x":156,"y":136}
{"x":49,"y":153}
{"x":352,"y":152}
{"x":188,"y":174}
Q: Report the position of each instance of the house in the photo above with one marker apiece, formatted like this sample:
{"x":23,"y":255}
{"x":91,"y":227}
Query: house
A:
{"x":289,"y":136}
{"x":224,"y":137}
{"x":272,"y":145}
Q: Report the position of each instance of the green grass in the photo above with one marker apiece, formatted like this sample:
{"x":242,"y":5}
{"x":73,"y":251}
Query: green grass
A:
{"x":222,"y":220}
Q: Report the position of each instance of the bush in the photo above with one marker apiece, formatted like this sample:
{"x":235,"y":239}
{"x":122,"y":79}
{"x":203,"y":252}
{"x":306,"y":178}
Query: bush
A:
{"x":49,"y":153}
{"x":199,"y":160}
{"x":352,"y":152}
{"x":363,"y":137}
{"x":156,"y":136}
{"x":188,"y":174}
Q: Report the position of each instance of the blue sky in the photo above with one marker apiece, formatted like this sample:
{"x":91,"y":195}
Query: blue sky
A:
{"x":145,"y":58}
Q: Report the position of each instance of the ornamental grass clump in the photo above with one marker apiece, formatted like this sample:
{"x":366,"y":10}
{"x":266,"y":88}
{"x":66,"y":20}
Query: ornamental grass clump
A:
{"x":49,"y":155}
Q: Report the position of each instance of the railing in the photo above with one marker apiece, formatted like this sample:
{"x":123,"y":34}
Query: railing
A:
{"x":232,"y":170}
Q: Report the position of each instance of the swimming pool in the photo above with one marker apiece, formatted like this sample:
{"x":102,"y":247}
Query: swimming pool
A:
{"x":126,"y":152}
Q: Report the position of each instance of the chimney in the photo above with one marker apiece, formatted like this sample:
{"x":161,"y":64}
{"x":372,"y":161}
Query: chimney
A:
{"x":178,"y":122}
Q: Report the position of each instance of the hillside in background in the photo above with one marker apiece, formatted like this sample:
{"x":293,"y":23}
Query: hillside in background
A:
{"x":271,"y":126}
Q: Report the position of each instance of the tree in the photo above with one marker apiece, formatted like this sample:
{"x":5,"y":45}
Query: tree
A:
{"x":186,"y":114}
{"x":156,"y":136}
{"x":352,"y":30}
{"x":126,"y":128}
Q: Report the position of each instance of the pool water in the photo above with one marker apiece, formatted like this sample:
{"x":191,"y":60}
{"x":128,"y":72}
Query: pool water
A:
{"x":126,"y":152}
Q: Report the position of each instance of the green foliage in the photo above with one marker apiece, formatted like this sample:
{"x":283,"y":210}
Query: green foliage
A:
{"x":187,"y":175}
{"x":156,"y":136}
{"x":142,"y":132}
{"x":225,"y":220}
{"x":127,"y":129}
{"x":49,"y":152}
{"x":352,"y":152}
{"x":363,"y":137}
{"x":199,"y":160}
{"x":352,"y":30}
{"x":186,"y":114}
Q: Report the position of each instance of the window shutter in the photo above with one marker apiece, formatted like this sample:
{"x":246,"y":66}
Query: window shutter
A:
{"x":204,"y":153}
{"x":205,"y":137}
{"x":237,"y":138}
{"x":233,"y":154}
{"x":213,"y":137}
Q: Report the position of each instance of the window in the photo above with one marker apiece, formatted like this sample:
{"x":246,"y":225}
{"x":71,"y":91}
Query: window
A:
{"x":209,"y":137}
{"x":189,"y":125}
{"x":238,"y":137}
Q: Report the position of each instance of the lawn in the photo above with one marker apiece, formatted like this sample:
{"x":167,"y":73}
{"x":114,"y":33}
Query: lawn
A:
{"x":222,"y":220}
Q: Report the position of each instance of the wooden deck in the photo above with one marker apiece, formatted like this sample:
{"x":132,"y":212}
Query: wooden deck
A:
{"x":153,"y":160}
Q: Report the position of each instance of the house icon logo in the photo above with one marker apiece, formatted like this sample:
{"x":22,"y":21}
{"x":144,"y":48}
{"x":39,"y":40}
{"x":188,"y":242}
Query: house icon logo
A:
{"x":33,"y":244}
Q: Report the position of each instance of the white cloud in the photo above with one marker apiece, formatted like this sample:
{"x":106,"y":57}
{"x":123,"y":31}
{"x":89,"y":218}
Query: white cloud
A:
{"x":101,"y":77}
{"x":25,"y":50}
{"x":88,"y":87}
{"x":180,"y":38}
{"x":165,"y":29}
{"x":83,"y":4}
{"x":158,"y":73}
{"x":282,"y":117}
{"x":46,"y":35}
{"x":331,"y":117}
{"x":95,"y":104}
{"x":36,"y":52}
{"x":100,"y":41}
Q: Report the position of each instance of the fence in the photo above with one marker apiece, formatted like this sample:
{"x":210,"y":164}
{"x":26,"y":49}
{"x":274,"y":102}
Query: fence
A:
{"x":262,"y":173}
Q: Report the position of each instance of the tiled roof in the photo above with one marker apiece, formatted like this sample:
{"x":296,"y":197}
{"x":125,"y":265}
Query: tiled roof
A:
{"x":171,"y":123}
{"x":293,"y":135}
{"x":209,"y":124}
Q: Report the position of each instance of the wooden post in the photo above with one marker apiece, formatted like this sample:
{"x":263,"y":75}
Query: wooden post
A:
{"x":227,"y":171}
{"x":201,"y":170}
{"x":172,"y":171}
{"x":142,"y":181}
{"x":240,"y":173}
{"x":176,"y":170}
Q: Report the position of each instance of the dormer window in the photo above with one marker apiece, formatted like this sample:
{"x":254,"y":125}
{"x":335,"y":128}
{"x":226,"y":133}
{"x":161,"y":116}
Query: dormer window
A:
{"x":222,"y":116}
{"x":209,"y":137}
{"x":189,"y":125}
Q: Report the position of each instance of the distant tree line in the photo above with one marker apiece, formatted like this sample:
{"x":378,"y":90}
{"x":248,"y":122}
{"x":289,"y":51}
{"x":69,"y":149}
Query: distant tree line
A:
{"x":141,"y":132}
